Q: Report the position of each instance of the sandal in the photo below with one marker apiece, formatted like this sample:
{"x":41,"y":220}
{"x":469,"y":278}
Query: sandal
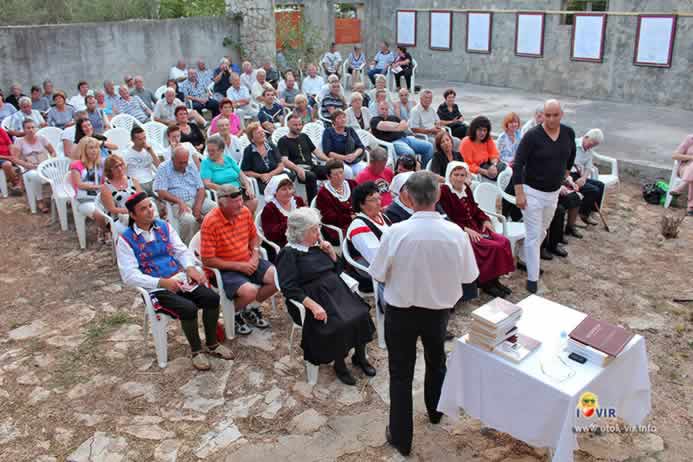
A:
{"x":241,"y":327}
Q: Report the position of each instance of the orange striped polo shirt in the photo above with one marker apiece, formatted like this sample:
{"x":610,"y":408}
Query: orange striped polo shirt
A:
{"x":227,"y":239}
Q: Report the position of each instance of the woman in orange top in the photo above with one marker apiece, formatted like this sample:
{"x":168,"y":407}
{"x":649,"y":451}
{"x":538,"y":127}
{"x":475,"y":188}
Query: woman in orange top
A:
{"x":479,"y":151}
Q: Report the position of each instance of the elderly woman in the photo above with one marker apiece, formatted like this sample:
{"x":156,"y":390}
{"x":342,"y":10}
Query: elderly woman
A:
{"x":479,"y":151}
{"x":509,"y":140}
{"x":401,"y":207}
{"x":226,"y":108}
{"x":450,"y":115}
{"x":86,"y":177}
{"x":357,"y":115}
{"x":219,"y":168}
{"x":303,"y":110}
{"x":444,"y":154}
{"x":337,"y":319}
{"x":684,"y":154}
{"x":380,"y":84}
{"x":231,"y":144}
{"x":356,"y":63}
{"x":591,"y":189}
{"x":343,"y":143}
{"x":261,"y":159}
{"x":402,"y":108}
{"x":60,"y":115}
{"x":491,"y":250}
{"x":280,"y":201}
{"x":116,"y":189}
{"x":189,"y":132}
{"x":402,"y":67}
{"x":334,"y":200}
{"x":28,"y":152}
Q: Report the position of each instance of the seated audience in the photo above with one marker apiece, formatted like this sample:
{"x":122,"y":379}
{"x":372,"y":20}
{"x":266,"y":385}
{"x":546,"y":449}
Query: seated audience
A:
{"x":164,"y":109}
{"x":177,"y":181}
{"x":271,"y":113}
{"x":381,"y":62}
{"x":6,"y":109}
{"x":240,"y":96}
{"x":259,"y":86}
{"x":204,"y":75}
{"x":15,"y":121}
{"x":403,"y":66}
{"x":332,"y":78}
{"x":145,"y":95}
{"x":334,"y":200}
{"x":189,"y":132}
{"x":403,"y":106}
{"x":303,"y":109}
{"x":444,"y":154}
{"x":297,"y":151}
{"x":538,"y":119}
{"x":6,"y":159}
{"x":378,"y":97}
{"x":280,"y":201}
{"x":684,"y":154}
{"x":357,"y":115}
{"x":38,"y":103}
{"x":332,"y":101}
{"x":226,"y":107}
{"x":131,"y":105}
{"x":116,"y":189}
{"x":86,"y":176}
{"x":378,"y":174}
{"x":195,"y":91}
{"x":48,"y":91}
{"x":96,"y":116}
{"x":173,"y":137}
{"x":360,"y":87}
{"x":282,"y":63}
{"x":287,"y":96}
{"x":178,"y":72}
{"x":479,"y":150}
{"x":28,"y":152}
{"x":492,"y":251}
{"x":219,"y":168}
{"x":271,"y":74}
{"x":591,"y":189}
{"x":151,"y":255}
{"x":343,"y":143}
{"x":248,"y":77}
{"x":102,"y":104}
{"x":391,"y":129}
{"x":450,"y":115}
{"x":15,"y":94}
{"x":509,"y":140}
{"x":331,"y":61}
{"x":67,"y":137}
{"x":406,"y":163}
{"x":83,"y":128}
{"x":170,"y":83}
{"x":140,"y":159}
{"x":423,"y":119}
{"x":380,"y":86}
{"x":232,"y":145}
{"x":312,"y":83}
{"x":221,"y":79}
{"x":336,"y":319}
{"x":77,"y":101}
{"x":261,"y":159}
{"x":401,"y":207}
{"x":356,"y":63}
{"x":110,"y":96}
{"x":230,"y":243}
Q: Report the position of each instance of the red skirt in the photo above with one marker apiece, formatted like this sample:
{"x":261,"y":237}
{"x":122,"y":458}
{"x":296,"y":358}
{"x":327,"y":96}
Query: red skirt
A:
{"x":494,"y":257}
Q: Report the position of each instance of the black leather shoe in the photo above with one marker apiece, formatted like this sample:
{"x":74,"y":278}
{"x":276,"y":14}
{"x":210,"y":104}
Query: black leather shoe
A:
{"x":505,"y":289}
{"x":563,"y":241}
{"x":388,"y":437}
{"x":532,"y":286}
{"x":365,"y":366}
{"x":522,"y":267}
{"x":492,"y":290}
{"x":559,"y":251}
{"x":345,"y":376}
{"x":545,"y":254}
{"x":572,"y":231}
{"x":434,"y":417}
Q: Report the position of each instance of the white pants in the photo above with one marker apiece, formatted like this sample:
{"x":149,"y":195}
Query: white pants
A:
{"x":352,"y":171}
{"x":187,"y":224}
{"x":87,"y":208}
{"x":33,"y":181}
{"x":537,"y":216}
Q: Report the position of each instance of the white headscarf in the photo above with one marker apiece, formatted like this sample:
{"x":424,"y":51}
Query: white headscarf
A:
{"x":396,"y":187}
{"x":271,"y":191}
{"x":448,"y":173}
{"x":340,"y":197}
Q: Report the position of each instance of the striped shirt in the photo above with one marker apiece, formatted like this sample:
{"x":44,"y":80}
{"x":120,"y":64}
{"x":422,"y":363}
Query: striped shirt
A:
{"x":182,"y":185}
{"x":229,"y":240}
{"x":134,"y":107}
{"x":197,"y":90}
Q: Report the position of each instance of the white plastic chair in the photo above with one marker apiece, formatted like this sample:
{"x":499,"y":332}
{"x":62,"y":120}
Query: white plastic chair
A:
{"x":261,"y":233}
{"x":53,"y":171}
{"x":365,"y":137}
{"x":379,"y":317}
{"x":278,"y":133}
{"x":159,"y":323}
{"x":486,"y":195}
{"x":125,"y":121}
{"x":156,"y":136}
{"x":120,"y":137}
{"x":52,"y":134}
{"x":674,"y":181}
{"x":391,"y":152}
{"x":79,"y":219}
{"x":4,"y":190}
{"x":610,"y":180}
{"x":5,"y":123}
{"x":346,"y":76}
{"x":391,"y":77}
{"x":159,"y":93}
{"x":314,"y":130}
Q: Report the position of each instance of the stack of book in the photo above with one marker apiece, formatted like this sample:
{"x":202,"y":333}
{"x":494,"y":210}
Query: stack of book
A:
{"x":494,"y":329}
{"x":598,"y":341}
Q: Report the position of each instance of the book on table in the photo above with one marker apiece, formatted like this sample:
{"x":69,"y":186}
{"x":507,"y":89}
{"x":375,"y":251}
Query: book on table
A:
{"x":602,"y":336}
{"x":515,"y":348}
{"x":496,"y":312}
{"x":489,"y":341}
{"x":590,"y":354}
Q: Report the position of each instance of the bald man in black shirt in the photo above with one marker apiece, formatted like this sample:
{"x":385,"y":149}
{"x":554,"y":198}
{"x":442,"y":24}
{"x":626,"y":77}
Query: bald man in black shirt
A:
{"x":544,"y":158}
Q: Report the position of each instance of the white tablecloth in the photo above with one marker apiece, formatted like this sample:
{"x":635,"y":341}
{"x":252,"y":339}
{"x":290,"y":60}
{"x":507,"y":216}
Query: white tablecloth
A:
{"x":519,"y":399}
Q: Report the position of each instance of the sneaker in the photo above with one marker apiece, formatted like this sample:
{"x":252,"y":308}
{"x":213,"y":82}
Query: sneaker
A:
{"x":220,"y":351}
{"x":241,"y":327}
{"x":200,"y":362}
{"x":254,"y":316}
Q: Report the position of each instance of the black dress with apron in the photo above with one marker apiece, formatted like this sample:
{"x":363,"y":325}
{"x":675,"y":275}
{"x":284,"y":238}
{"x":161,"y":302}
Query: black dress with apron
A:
{"x":313,"y":274}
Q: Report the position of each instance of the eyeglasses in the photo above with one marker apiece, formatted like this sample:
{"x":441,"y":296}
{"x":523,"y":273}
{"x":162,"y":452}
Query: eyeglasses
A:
{"x":373,"y":199}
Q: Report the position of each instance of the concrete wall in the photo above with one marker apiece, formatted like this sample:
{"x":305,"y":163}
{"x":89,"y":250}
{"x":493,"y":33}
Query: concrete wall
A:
{"x":96,"y":52}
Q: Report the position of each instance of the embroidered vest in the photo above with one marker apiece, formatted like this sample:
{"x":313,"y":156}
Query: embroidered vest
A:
{"x":374,"y":229}
{"x":155,"y":258}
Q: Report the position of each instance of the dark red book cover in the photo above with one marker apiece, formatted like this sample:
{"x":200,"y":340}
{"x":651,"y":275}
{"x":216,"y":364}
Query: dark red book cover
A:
{"x":601,"y":335}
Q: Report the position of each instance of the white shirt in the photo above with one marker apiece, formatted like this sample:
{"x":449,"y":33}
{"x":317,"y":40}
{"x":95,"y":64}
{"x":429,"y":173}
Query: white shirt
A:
{"x":325,"y":90}
{"x":69,"y":134}
{"x":248,"y":80}
{"x":177,"y":74}
{"x":78,"y":102}
{"x":312,"y":85}
{"x":363,"y":238}
{"x":530,"y":124}
{"x":129,"y":267}
{"x":423,"y":262}
{"x":423,"y":118}
{"x":332,"y":60}
{"x":583,"y":158}
{"x":166,"y":153}
{"x":139,"y":164}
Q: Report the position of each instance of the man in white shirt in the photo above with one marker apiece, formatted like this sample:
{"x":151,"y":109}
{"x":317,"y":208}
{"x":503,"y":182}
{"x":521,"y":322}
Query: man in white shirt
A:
{"x":423,"y":263}
{"x":331,"y":60}
{"x":423,"y":119}
{"x":167,"y":270}
{"x":139,"y":158}
{"x":78,"y":101}
{"x":248,"y":76}
{"x":325,"y":89}
{"x":164,"y":110}
{"x":178,"y":72}
{"x":15,"y":123}
{"x":312,"y":83}
{"x":240,"y":96}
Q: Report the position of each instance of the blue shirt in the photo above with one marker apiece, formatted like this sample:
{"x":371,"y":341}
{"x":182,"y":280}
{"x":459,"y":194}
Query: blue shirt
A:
{"x":335,"y":142}
{"x":236,"y":95}
{"x":198,"y":90}
{"x":382,"y":60}
{"x":270,"y":114}
{"x":228,"y":173}
{"x":183,"y":185}
{"x":507,"y":148}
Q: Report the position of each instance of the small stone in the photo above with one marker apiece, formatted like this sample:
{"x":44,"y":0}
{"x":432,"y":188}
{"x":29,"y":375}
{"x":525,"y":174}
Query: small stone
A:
{"x":29,"y":378}
{"x":129,"y":333}
{"x":89,"y":419}
{"x":308,"y":421}
{"x":112,"y":288}
{"x":304,"y":389}
{"x":101,"y":447}
{"x":271,"y":411}
{"x":38,"y":394}
{"x":43,"y":360}
{"x":167,"y":451}
{"x":36,"y":328}
{"x":495,"y":454}
{"x":240,"y":407}
{"x":349,"y":396}
{"x":63,"y":436}
{"x":256,"y":378}
{"x":272,"y":395}
{"x":261,"y":339}
{"x":221,"y":436}
{"x":135,"y":390}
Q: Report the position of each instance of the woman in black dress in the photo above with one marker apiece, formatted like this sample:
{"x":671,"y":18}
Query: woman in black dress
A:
{"x":337,"y":319}
{"x":450,"y":115}
{"x":189,"y":132}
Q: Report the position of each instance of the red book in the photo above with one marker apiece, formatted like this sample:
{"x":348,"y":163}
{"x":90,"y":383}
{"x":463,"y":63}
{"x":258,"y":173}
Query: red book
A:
{"x":601,"y":335}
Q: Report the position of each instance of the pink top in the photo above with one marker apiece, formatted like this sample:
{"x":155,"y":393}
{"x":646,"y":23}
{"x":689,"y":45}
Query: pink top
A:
{"x":234,"y":125}
{"x":686,"y":146}
{"x":383,"y":181}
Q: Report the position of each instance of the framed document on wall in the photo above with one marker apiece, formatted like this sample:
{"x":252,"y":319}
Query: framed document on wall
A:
{"x":529,"y":35}
{"x":406,"y":28}
{"x":440,"y":30}
{"x":587,"y":41}
{"x":479,"y":28}
{"x":654,"y":40}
